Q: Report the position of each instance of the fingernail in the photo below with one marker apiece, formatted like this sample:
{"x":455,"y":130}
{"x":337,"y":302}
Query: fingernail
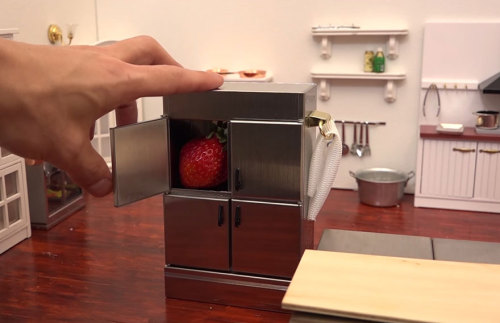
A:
{"x":101,"y":187}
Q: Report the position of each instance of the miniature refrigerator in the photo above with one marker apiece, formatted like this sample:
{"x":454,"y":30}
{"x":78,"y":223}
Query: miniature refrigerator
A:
{"x":237,"y":243}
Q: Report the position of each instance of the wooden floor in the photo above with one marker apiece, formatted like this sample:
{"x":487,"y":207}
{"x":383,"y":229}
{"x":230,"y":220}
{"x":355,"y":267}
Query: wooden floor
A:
{"x":106,"y":265}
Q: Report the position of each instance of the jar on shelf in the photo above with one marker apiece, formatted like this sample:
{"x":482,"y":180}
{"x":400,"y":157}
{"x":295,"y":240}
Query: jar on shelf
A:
{"x":379,"y":61}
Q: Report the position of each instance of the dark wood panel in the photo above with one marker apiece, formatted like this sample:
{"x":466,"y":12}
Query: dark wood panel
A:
{"x":220,"y":288}
{"x":107,"y":264}
{"x":267,"y":240}
{"x":193,"y":236}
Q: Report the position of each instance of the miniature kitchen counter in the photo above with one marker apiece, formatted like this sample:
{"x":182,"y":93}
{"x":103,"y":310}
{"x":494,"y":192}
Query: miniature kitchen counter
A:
{"x":458,"y":171}
{"x":430,"y":132}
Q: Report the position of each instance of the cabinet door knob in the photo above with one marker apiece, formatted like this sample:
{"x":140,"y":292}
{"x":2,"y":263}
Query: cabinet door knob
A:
{"x":464,"y":150}
{"x":237,"y":180}
{"x":489,"y":151}
{"x":237,"y":217}
{"x":220,"y":218}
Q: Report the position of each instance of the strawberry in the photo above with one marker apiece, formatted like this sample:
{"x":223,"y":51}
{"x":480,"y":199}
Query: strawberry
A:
{"x":203,"y":162}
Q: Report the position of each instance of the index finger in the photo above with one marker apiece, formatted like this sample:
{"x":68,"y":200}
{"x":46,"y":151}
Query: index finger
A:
{"x":160,"y":80}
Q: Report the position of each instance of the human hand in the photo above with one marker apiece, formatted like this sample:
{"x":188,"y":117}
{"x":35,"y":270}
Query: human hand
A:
{"x":52,"y":96}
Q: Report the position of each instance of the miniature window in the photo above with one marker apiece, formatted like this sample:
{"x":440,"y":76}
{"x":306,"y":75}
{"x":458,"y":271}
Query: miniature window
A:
{"x":14,"y":211}
{"x":2,"y":221}
{"x":4,"y":152}
{"x":11,"y":184}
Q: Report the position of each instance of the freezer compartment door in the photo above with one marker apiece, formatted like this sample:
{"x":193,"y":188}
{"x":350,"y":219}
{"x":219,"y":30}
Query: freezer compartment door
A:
{"x":140,"y":160}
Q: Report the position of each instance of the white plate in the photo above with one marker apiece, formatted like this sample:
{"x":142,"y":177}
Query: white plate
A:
{"x":455,"y":128}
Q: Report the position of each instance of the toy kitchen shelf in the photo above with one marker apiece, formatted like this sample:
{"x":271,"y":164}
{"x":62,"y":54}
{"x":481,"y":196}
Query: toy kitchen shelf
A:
{"x":392,"y":52}
{"x":389,"y":78}
{"x":331,"y":31}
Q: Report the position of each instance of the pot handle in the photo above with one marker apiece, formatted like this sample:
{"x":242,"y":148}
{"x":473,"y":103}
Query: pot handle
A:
{"x":410,"y":175}
{"x":352,"y":174}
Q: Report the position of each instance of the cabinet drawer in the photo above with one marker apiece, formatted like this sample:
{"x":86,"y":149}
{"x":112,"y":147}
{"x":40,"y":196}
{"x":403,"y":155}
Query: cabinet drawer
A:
{"x":448,"y":168}
{"x":197,"y":232}
{"x":265,"y":238}
{"x":487,"y":184}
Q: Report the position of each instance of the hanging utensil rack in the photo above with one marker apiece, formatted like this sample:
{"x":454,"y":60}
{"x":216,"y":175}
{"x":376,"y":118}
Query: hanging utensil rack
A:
{"x":362,"y":147}
{"x":371,"y":123}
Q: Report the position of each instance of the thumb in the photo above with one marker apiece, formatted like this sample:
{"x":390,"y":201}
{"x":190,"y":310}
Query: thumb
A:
{"x":89,"y":170}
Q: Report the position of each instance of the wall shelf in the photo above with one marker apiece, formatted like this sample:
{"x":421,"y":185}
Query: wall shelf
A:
{"x":325,"y":32}
{"x":8,"y":32}
{"x":389,"y":78}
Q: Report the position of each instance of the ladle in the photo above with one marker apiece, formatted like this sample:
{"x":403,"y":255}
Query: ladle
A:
{"x":345,"y":147}
{"x":359,"y":147}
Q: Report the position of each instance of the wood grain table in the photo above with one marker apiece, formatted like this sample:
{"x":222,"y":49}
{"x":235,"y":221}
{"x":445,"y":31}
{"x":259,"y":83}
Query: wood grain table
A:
{"x":394,"y":289}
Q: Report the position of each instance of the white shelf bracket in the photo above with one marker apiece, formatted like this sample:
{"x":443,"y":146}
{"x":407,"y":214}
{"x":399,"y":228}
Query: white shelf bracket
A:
{"x":392,"y":47}
{"x":326,"y":48}
{"x":324,"y":90}
{"x":390,"y":92}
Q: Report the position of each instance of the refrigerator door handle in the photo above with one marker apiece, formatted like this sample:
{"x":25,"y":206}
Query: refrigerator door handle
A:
{"x":237,"y":179}
{"x":237,"y":217}
{"x":220,"y":218}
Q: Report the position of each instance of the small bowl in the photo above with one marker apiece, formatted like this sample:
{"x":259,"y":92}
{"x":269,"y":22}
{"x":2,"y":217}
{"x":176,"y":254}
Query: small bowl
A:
{"x":253,"y":73}
{"x":221,"y":71}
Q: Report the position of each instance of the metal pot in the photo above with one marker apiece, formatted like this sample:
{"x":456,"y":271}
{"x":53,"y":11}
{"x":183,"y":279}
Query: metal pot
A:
{"x":381,"y":186}
{"x":486,"y":119}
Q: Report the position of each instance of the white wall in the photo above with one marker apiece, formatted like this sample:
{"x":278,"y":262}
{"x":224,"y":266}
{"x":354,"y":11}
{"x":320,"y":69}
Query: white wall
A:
{"x":33,"y":17}
{"x":273,"y":35}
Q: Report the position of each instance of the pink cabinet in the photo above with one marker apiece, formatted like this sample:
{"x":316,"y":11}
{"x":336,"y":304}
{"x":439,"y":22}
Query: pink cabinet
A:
{"x":487,"y":184}
{"x":448,"y":168}
{"x":458,"y":172}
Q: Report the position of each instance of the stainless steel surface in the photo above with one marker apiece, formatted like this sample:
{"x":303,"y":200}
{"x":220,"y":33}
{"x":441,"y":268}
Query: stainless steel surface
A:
{"x":381,"y":186}
{"x":266,"y":159}
{"x":487,"y":119}
{"x":372,"y":243}
{"x":467,"y":251}
{"x":244,"y":100}
{"x":140,"y":160}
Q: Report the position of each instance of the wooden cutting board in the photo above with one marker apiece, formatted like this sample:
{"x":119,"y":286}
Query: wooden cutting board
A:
{"x":394,"y":289}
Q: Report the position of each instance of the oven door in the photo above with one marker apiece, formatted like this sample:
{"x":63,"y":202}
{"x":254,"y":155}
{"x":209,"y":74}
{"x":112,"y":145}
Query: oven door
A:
{"x":140,"y":160}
